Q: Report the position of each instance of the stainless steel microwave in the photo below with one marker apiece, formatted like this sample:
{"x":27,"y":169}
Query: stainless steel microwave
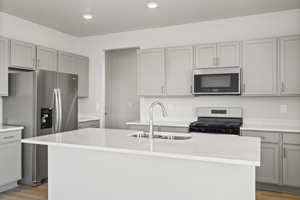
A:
{"x":225,"y":80}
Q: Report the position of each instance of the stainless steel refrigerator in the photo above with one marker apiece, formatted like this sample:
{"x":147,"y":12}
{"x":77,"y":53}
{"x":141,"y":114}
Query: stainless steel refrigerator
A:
{"x":44,"y":102}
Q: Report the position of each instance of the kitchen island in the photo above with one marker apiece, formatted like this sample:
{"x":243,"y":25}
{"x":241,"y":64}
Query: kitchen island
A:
{"x":110,"y":164}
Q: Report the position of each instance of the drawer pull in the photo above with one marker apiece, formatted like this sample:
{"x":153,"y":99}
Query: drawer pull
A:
{"x":8,"y":137}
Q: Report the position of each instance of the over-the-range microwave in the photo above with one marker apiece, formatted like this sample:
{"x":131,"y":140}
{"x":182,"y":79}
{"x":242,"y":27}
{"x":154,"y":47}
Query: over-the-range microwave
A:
{"x":217,"y":81}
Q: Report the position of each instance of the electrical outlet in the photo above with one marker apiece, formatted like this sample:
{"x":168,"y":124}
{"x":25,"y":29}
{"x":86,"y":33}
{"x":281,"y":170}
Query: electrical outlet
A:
{"x":283,"y":108}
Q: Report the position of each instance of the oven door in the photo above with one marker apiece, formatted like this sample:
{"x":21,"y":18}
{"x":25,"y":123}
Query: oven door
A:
{"x":216,"y":81}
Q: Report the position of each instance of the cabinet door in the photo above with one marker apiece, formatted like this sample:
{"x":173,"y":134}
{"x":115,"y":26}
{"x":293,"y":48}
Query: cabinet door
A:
{"x":22,"y":55}
{"x":290,"y":65}
{"x":4,"y":66}
{"x":228,"y":54}
{"x":205,"y":55}
{"x":67,"y":63}
{"x":179,"y":64}
{"x":268,"y":172}
{"x":83,"y":75}
{"x":260,"y":67}
{"x":47,"y":58}
{"x":151,"y":72}
{"x":10,"y":158}
{"x":291,"y":165}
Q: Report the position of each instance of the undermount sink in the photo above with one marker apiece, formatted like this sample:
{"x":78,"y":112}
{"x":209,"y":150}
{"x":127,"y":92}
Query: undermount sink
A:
{"x":166,"y":136}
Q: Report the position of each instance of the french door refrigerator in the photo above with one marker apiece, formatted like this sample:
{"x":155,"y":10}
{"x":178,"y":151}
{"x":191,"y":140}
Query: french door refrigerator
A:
{"x":44,"y":102}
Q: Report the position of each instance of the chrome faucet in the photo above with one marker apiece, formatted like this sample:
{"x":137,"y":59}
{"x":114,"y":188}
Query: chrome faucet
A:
{"x":164,"y":112}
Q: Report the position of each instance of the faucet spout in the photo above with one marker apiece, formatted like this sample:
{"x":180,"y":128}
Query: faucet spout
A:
{"x":164,"y":113}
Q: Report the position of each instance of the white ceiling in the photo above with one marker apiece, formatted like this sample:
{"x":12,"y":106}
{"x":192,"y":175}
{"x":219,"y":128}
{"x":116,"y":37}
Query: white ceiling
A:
{"x":112,"y":16}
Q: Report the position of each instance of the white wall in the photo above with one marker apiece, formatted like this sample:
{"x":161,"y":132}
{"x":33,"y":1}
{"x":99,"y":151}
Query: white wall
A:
{"x":240,"y":28}
{"x":16,"y":28}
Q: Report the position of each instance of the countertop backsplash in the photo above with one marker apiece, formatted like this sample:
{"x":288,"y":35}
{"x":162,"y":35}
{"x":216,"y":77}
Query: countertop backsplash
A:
{"x":256,"y":110}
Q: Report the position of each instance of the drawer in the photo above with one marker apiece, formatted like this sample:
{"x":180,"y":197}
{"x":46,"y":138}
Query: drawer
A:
{"x":89,"y":124}
{"x":11,"y":136}
{"x":291,"y":138}
{"x":271,"y":137}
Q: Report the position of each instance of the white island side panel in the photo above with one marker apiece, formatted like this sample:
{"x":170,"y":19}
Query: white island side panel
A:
{"x":89,"y":174}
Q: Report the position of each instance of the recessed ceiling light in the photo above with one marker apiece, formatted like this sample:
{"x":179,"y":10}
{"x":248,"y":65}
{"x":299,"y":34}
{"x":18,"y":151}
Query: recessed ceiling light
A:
{"x":87,"y":16}
{"x":152,"y":5}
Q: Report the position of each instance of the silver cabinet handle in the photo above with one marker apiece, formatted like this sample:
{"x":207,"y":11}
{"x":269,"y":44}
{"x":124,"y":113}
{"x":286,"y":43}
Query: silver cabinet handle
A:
{"x":217,"y":61}
{"x":284,"y":153}
{"x":244,"y":88}
{"x":8,"y":137}
{"x":214,"y":61}
{"x":33,"y":62}
{"x":38,"y":62}
{"x":162,"y":89}
{"x":282,"y":87}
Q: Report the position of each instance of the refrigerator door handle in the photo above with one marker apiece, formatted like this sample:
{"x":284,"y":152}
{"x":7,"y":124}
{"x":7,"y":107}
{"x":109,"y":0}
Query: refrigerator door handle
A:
{"x":55,"y":105}
{"x":60,"y":110}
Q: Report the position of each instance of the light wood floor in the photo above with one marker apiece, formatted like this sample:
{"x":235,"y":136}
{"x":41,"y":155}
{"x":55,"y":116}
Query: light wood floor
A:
{"x":41,"y":192}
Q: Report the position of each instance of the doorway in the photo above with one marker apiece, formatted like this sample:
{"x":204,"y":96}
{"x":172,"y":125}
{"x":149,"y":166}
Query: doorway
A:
{"x":121,"y":100}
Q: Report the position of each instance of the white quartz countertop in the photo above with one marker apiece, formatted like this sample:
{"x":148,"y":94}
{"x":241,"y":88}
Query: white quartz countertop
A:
{"x":228,"y":149}
{"x":271,"y":128}
{"x":183,"y":124}
{"x":5,"y":128}
{"x":249,"y":127}
{"x":87,"y":118}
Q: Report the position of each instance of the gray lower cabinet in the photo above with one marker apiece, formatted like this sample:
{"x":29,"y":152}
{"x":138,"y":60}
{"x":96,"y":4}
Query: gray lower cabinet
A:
{"x":47,"y":58}
{"x":268,"y":172}
{"x":4,"y":56}
{"x":159,"y":128}
{"x":280,"y":158}
{"x":89,"y":124}
{"x":22,"y":55}
{"x":291,"y":160}
{"x":10,"y":159}
{"x":75,"y":64}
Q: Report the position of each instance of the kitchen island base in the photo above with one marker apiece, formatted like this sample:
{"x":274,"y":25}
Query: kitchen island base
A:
{"x":79,"y":173}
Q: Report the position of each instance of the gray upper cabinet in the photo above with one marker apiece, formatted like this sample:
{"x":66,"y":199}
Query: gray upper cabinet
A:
{"x":75,"y":64}
{"x":151,"y":72}
{"x":260,"y":67}
{"x":47,"y":59}
{"x":179,"y":64}
{"x":205,"y":55}
{"x":290,"y":65}
{"x":224,"y":54}
{"x":22,"y":55}
{"x":4,"y":57}
{"x":268,"y":172}
{"x":82,"y":64}
{"x":228,"y":54}
{"x":66,"y":63}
